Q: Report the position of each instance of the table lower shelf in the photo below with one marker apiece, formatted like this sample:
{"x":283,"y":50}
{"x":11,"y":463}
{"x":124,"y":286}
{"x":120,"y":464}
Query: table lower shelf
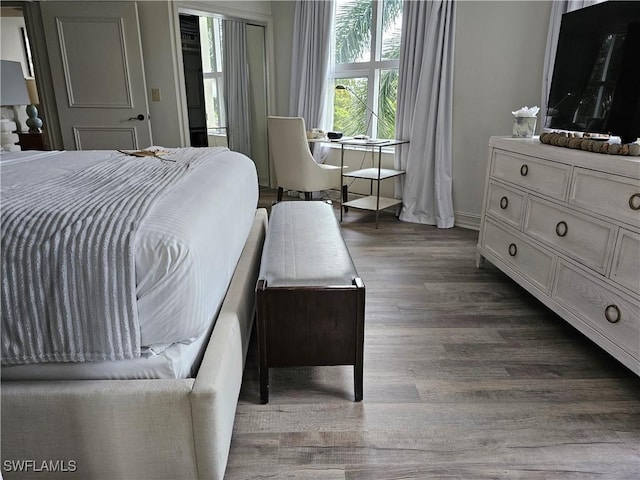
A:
{"x":374,"y":173}
{"x":369,"y":203}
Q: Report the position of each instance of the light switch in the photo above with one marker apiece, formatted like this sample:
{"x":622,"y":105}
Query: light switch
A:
{"x":155,"y":94}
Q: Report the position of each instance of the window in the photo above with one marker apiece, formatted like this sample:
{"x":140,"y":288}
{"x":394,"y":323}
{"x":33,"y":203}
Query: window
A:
{"x":211,"y":47}
{"x":366,"y":42}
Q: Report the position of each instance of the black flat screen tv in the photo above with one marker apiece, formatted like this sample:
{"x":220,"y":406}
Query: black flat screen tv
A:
{"x":595,"y":86}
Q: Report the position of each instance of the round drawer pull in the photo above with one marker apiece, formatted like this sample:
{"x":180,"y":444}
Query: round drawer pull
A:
{"x":513,"y":249}
{"x":524,"y":170}
{"x":612,"y":313}
{"x":504,"y":203}
{"x":562,"y":228}
{"x":634,"y":201}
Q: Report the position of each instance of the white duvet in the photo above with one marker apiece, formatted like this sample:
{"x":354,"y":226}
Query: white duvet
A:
{"x":186,"y":247}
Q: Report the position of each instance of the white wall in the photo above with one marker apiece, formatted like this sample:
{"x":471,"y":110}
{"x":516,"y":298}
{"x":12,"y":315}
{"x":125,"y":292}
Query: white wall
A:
{"x":11,"y":47}
{"x":499,"y":53}
{"x":161,"y":71}
{"x":283,"y":12}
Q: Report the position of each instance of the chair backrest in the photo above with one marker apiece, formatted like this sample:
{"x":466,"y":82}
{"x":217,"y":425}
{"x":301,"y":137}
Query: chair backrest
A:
{"x":292,"y":160}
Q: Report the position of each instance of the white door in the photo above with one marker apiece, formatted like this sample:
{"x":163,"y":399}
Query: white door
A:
{"x":98,"y":76}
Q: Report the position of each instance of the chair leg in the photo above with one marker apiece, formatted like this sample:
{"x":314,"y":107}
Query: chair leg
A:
{"x":307,"y":196}
{"x":280,"y":192}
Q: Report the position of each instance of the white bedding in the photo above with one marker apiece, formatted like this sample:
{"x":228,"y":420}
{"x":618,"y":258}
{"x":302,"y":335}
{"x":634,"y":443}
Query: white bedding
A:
{"x":186,"y":248}
{"x":179,"y":360}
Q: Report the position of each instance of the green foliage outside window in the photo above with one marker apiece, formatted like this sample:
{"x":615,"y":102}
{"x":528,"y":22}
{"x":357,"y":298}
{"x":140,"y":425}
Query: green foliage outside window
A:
{"x":387,"y":103}
{"x":350,"y":116}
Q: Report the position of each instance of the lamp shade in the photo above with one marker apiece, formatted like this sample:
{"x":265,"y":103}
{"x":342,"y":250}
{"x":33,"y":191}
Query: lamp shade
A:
{"x":13,"y":89}
{"x":32,"y":89}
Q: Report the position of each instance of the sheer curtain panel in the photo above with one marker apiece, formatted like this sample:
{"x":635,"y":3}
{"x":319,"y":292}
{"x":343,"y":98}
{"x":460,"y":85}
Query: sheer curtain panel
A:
{"x":310,"y":61}
{"x":424,"y":112}
{"x":236,"y":85}
{"x":310,"y":65}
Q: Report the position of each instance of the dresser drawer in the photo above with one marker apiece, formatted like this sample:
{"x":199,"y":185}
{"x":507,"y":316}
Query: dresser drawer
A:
{"x":615,"y":317}
{"x":530,"y":261}
{"x":506,"y":204}
{"x":611,"y":195}
{"x":583,"y":238}
{"x":544,"y":177}
{"x":625,"y":269}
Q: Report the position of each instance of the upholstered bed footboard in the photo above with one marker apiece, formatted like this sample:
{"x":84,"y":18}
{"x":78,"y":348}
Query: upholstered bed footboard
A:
{"x":138,"y":429}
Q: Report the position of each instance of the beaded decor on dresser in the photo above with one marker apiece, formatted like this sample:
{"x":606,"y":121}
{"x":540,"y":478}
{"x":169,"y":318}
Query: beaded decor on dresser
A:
{"x":589,"y":144}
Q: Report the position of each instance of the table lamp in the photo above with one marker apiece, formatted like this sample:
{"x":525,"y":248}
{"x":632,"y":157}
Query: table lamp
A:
{"x":350,"y":90}
{"x":33,"y":122}
{"x":13,"y":91}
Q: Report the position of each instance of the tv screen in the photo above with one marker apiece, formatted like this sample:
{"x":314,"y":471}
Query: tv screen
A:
{"x":595,"y":86}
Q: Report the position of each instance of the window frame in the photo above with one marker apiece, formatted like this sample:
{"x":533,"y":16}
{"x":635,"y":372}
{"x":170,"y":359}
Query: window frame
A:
{"x":369,"y":70}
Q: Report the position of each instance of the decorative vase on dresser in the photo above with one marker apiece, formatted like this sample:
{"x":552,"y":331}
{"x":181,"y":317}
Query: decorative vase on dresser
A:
{"x":565,"y":225}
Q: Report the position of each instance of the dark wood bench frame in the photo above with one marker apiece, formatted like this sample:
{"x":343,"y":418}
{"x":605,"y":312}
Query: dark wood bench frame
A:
{"x":310,"y":326}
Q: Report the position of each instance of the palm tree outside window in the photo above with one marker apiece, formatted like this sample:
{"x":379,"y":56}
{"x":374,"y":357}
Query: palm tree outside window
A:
{"x":366,"y":42}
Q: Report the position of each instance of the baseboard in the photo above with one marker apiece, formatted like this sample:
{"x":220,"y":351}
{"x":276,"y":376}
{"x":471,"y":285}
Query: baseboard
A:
{"x":467,"y":220}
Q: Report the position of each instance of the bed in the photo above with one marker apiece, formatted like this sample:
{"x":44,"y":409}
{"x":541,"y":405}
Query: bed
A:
{"x":163,"y":408}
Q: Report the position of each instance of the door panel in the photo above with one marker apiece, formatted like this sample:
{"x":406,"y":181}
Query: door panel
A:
{"x":103,"y":138}
{"x":84,"y":70}
{"x":98,"y":75}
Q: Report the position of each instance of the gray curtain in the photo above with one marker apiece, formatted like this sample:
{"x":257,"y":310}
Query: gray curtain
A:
{"x":424,"y":112}
{"x":236,"y":86}
{"x":310,"y":65}
{"x":558,"y":8}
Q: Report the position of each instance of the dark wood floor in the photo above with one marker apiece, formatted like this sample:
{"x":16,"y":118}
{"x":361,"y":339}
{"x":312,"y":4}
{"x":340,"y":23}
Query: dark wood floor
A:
{"x":466,"y":376}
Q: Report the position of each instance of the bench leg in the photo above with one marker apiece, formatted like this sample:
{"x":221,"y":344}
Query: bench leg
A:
{"x":264,"y":385}
{"x":359,"y":360}
{"x":308,"y":196}
{"x":280,"y":192}
{"x":357,"y":380}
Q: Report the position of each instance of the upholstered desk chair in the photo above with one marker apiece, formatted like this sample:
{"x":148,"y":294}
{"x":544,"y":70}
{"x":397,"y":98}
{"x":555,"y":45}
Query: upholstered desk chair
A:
{"x":295,"y":167}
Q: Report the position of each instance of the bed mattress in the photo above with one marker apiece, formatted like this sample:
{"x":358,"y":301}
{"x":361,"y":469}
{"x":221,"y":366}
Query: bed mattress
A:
{"x":186,"y":250}
{"x":179,"y":360}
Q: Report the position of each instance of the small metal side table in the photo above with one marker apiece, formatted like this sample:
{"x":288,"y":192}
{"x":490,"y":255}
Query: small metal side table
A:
{"x":372,"y":202}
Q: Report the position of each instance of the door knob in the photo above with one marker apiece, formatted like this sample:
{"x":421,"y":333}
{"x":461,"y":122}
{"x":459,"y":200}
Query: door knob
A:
{"x":140,"y":117}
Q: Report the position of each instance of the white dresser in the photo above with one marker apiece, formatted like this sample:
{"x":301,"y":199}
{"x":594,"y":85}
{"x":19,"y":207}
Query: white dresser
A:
{"x":565,"y":225}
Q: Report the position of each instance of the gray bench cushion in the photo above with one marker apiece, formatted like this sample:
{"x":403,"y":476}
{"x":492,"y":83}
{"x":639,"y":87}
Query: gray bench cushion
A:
{"x":304,"y":247}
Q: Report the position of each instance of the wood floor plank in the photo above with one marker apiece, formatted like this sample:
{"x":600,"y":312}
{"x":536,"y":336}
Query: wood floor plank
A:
{"x":466,"y":376}
{"x":441,"y":446}
{"x":282,"y":473}
{"x":511,"y":390}
{"x":344,"y":416}
{"x":600,"y":471}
